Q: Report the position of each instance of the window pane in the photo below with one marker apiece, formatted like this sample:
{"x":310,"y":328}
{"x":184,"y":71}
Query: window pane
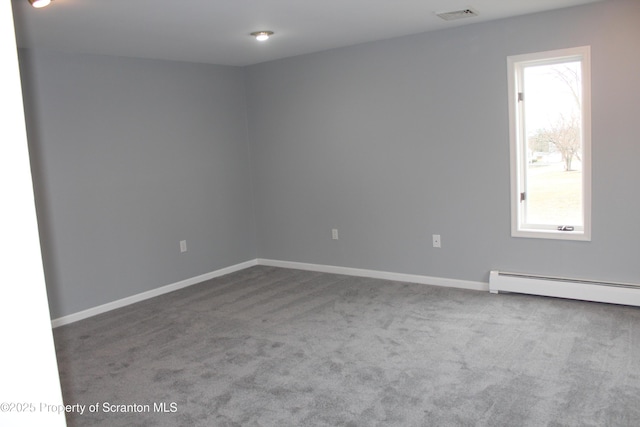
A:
{"x":552,"y":124}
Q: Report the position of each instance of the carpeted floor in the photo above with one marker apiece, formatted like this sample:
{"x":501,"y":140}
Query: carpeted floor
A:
{"x":277,"y":347}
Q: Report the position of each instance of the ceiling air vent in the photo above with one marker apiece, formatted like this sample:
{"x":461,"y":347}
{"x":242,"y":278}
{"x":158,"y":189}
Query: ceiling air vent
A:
{"x":457,"y":14}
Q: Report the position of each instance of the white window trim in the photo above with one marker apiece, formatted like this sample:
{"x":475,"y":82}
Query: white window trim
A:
{"x":515,"y":117}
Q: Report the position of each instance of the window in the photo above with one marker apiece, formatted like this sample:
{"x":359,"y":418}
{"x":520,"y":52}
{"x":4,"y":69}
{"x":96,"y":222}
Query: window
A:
{"x":550,"y":134}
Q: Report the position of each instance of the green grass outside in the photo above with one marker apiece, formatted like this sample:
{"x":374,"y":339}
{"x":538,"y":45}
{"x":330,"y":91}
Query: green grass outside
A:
{"x":554,"y":196}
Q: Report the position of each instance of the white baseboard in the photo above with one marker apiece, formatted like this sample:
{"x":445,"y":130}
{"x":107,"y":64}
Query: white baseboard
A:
{"x":385,"y":275}
{"x":375,"y":274}
{"x":149,"y":294}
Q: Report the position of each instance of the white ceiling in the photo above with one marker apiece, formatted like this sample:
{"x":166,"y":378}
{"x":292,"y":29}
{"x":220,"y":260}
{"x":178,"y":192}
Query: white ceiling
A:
{"x":217,"y":31}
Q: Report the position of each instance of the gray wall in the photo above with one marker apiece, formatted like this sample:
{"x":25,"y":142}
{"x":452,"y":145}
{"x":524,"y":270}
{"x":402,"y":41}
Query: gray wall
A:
{"x":396,"y":140}
{"x":389,"y":142}
{"x":131,"y":156}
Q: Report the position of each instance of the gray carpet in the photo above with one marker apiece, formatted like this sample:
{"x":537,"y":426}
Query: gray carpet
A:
{"x":277,"y":347}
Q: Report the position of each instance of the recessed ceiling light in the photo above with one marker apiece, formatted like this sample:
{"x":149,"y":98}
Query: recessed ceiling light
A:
{"x":262,"y":35}
{"x":39,"y":3}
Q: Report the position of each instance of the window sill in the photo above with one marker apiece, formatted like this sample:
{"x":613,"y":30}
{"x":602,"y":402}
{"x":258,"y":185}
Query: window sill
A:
{"x":552,"y":234}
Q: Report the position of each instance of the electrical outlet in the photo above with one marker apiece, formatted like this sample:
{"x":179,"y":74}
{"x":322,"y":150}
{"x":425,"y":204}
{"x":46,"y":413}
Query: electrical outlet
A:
{"x":334,"y":234}
{"x":183,"y":246}
{"x":437,"y":243}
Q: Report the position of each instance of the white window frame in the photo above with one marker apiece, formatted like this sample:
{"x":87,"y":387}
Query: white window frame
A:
{"x":516,"y":65}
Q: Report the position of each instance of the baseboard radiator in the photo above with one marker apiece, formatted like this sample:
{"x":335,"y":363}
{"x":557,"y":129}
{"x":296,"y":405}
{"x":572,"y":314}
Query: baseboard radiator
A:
{"x":587,"y":290}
